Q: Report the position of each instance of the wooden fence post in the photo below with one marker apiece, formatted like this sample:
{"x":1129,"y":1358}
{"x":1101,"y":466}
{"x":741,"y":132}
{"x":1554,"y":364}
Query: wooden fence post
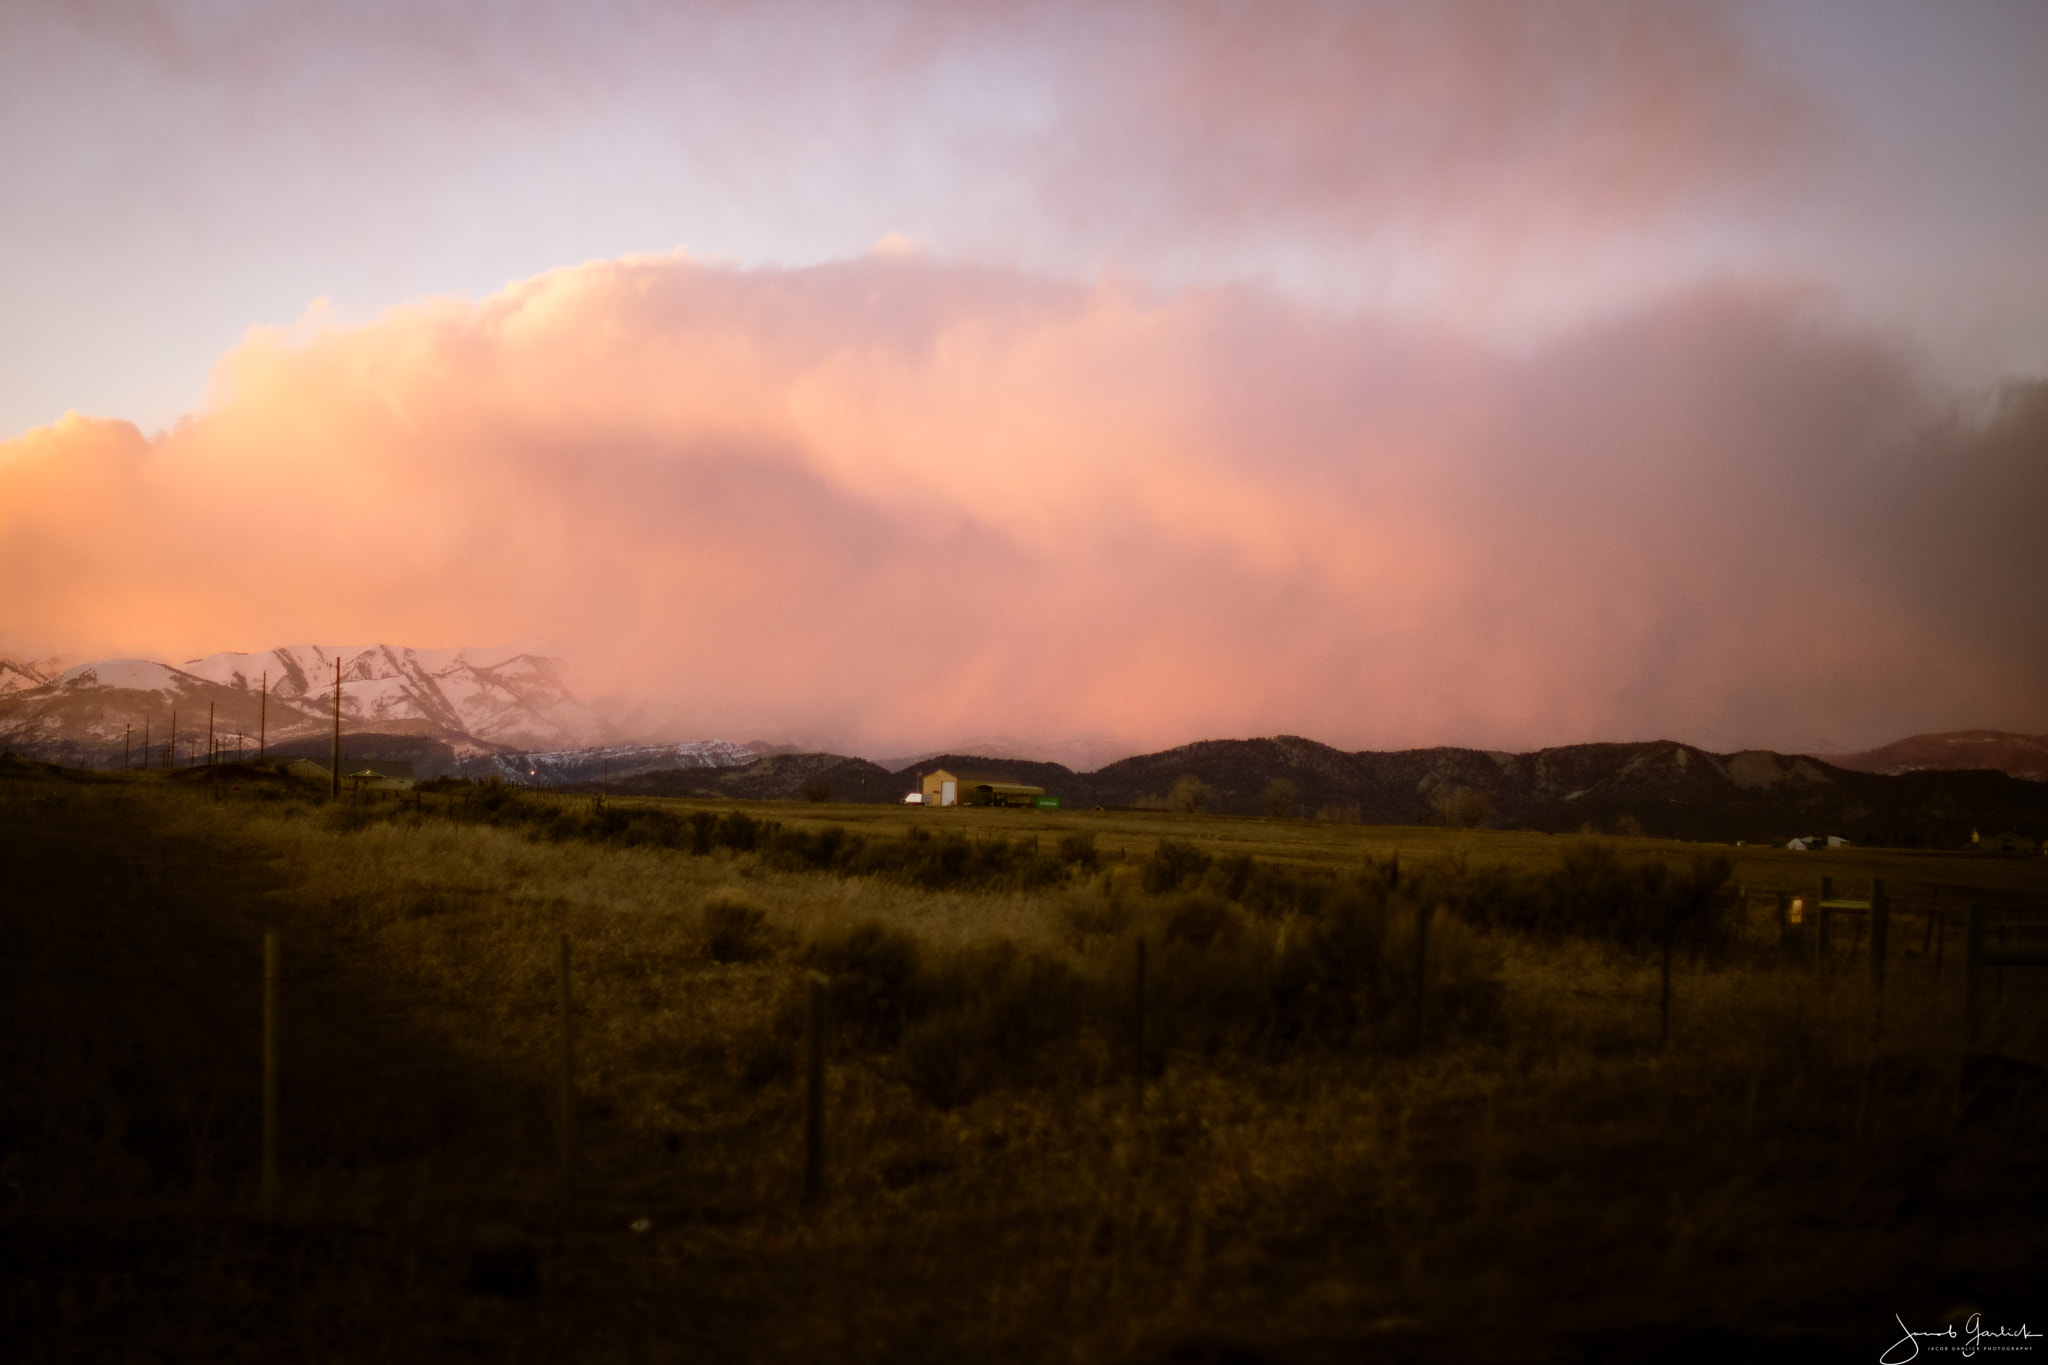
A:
{"x":564,"y":983}
{"x":1823,"y":926}
{"x":270,"y":994}
{"x":1138,"y":1031}
{"x":1880,"y":932}
{"x":814,"y":1096}
{"x":1664,"y":993}
{"x":1422,"y":909}
{"x":1973,"y":972}
{"x":335,"y":790}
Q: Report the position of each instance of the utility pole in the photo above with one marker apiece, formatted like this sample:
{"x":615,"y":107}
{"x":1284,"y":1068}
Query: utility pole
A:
{"x":127,"y":746}
{"x":171,"y":749}
{"x":263,"y":715}
{"x":337,"y":725}
{"x":212,"y":752}
{"x":145,"y":744}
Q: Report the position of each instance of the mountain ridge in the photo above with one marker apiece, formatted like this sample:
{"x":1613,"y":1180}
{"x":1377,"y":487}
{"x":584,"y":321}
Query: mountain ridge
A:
{"x":512,"y":714}
{"x":1657,"y":787}
{"x":1954,"y":751}
{"x":480,"y":702}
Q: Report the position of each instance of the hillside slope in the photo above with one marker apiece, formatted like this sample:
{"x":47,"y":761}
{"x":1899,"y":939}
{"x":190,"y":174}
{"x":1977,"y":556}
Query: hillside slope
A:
{"x":1662,"y":787}
{"x":2020,"y":755}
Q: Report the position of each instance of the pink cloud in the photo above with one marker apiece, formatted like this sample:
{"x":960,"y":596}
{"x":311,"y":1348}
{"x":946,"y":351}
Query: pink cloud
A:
{"x":893,"y":501}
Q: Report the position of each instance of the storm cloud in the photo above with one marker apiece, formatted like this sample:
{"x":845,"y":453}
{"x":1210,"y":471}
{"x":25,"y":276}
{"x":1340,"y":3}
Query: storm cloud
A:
{"x":891,"y":501}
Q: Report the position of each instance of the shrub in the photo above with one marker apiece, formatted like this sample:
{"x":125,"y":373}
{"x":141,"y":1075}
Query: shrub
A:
{"x":829,"y":849}
{"x":1078,"y":850}
{"x":1593,"y":894}
{"x":1353,"y":977}
{"x":1460,"y":807}
{"x":953,"y":860}
{"x":1273,"y":891}
{"x":1199,"y":919}
{"x":735,"y":930}
{"x":739,"y":832}
{"x":1174,"y":865}
{"x":1700,"y":901}
{"x":873,"y":974}
{"x":996,"y":1014}
{"x":1208,"y":980}
{"x":703,"y":826}
{"x":1096,"y":911}
{"x":348,"y":817}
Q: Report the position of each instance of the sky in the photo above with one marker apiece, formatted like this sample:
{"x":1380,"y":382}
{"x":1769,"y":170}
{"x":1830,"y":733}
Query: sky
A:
{"x":1394,"y":374}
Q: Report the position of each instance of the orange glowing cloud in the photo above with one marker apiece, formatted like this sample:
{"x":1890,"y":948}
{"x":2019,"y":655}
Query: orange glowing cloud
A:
{"x":890,"y":501}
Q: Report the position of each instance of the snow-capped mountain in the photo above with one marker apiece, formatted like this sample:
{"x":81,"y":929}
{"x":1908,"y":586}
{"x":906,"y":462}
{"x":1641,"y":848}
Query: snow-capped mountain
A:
{"x":19,"y":675}
{"x":92,"y":712}
{"x":478,"y":702}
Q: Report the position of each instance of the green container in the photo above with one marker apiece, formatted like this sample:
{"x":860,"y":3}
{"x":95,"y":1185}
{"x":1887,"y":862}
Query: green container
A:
{"x":1048,"y":803}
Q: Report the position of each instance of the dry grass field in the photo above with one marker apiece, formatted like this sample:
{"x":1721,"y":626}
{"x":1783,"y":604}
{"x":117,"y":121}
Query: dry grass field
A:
{"x":1322,"y":1162}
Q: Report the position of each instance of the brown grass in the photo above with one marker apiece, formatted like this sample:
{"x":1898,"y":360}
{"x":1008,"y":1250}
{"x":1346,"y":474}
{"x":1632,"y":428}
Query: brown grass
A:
{"x":1546,"y":1184}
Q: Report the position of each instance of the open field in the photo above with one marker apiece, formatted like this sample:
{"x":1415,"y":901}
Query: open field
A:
{"x":1317,"y":842}
{"x":1324,"y":1164}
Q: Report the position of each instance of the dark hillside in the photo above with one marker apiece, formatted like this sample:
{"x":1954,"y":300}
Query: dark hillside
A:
{"x":1667,"y":788}
{"x":776,"y":777}
{"x":1664,"y":788}
{"x":429,"y":757}
{"x":1238,"y":771}
{"x":2021,"y":755}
